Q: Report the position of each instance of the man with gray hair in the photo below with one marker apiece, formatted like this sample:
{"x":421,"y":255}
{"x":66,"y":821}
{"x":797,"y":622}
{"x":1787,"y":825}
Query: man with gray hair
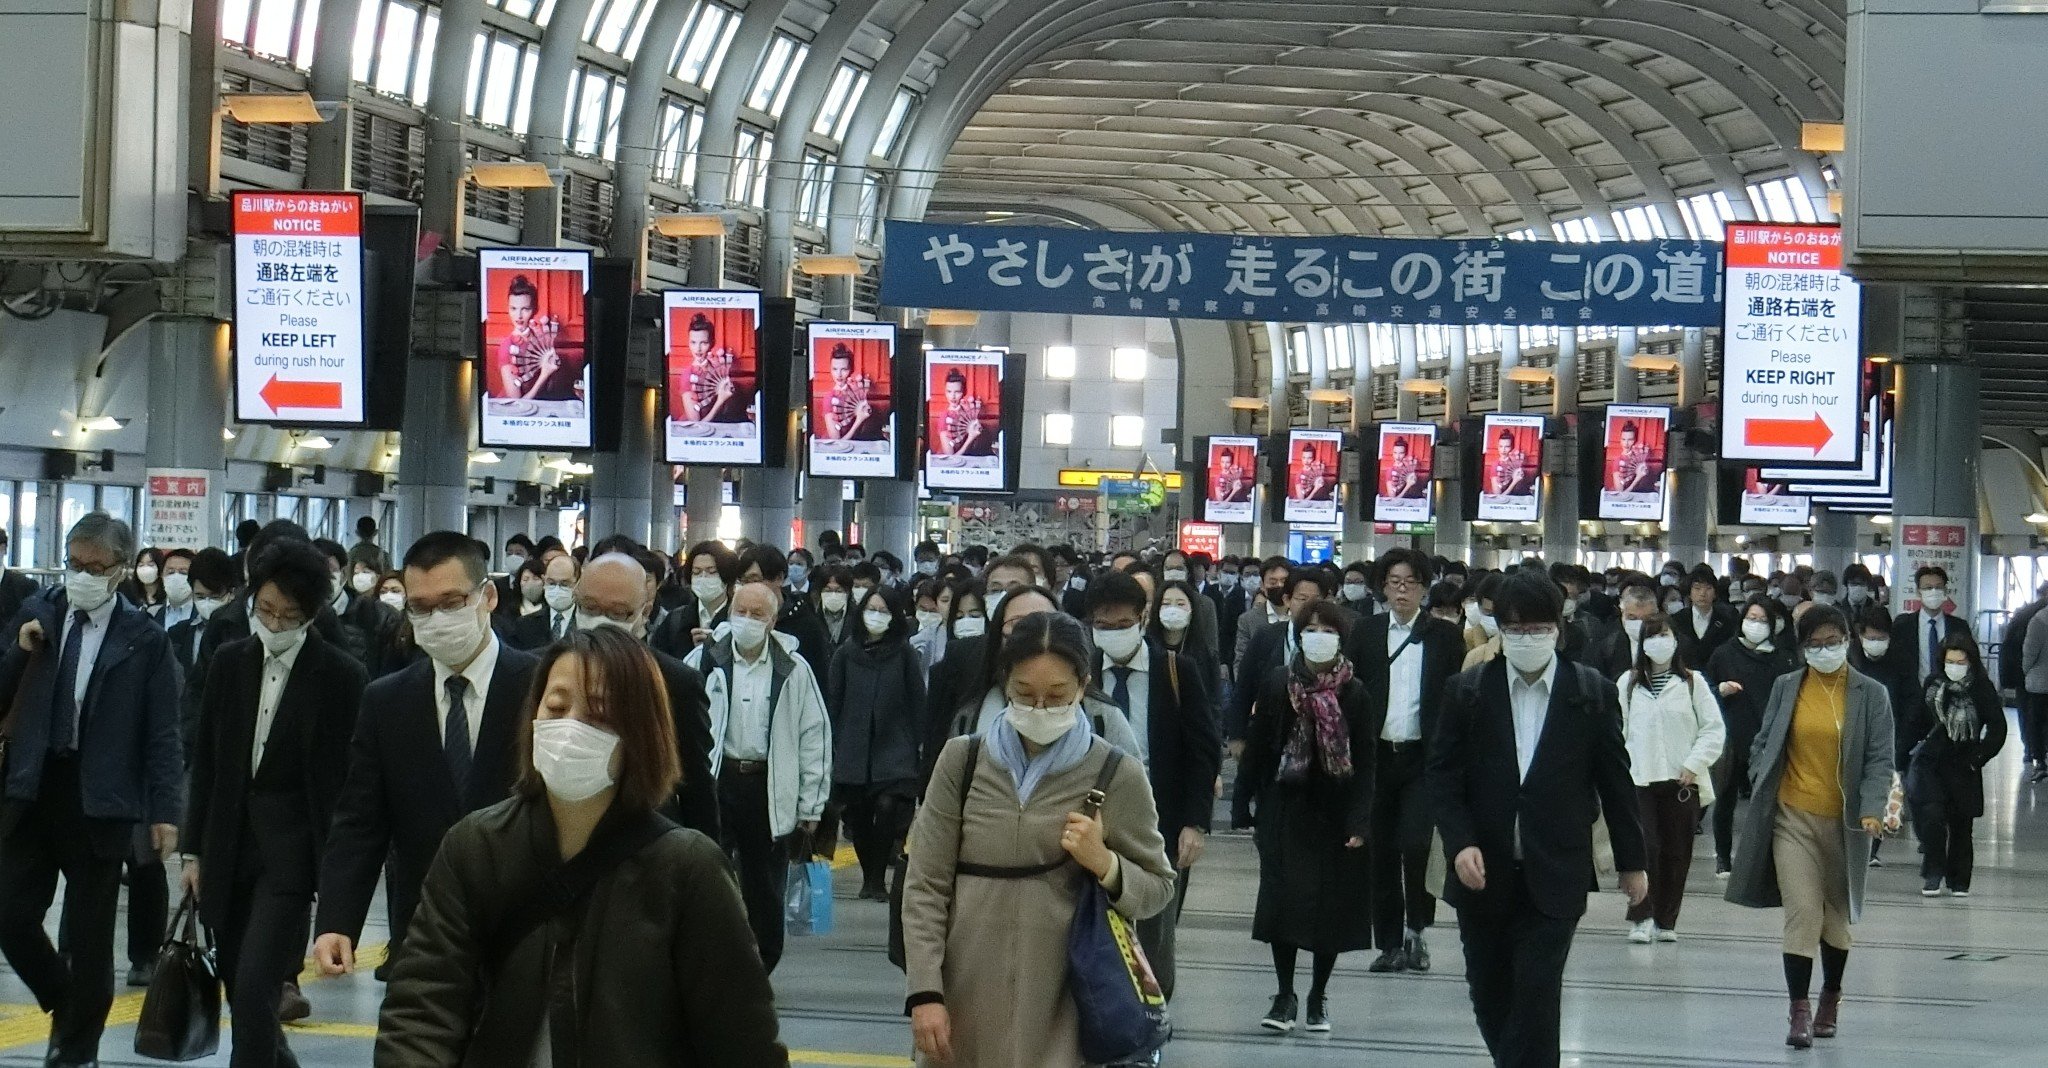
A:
{"x":94,"y":751}
{"x":1618,"y":653}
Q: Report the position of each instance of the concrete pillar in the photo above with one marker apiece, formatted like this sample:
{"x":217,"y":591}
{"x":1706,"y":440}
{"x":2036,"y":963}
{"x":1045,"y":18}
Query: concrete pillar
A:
{"x":433,"y":458}
{"x":1272,"y":532}
{"x":621,"y":499}
{"x":704,"y":501}
{"x":661,"y":526}
{"x":1510,"y":358}
{"x":824,"y":507}
{"x":1692,"y":499}
{"x":1407,"y":404}
{"x":188,"y":388}
{"x":328,"y":144}
{"x":1561,"y":540}
{"x":1628,"y":385}
{"x":1938,"y":428}
{"x":1834,"y":540}
{"x":1318,"y":376}
{"x":768,"y":504}
{"x":1357,"y":519}
{"x":1453,"y":532}
{"x":889,"y":517}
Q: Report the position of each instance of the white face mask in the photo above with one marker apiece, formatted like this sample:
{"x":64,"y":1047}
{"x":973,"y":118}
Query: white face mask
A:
{"x":593,"y":620}
{"x":927,"y":567}
{"x":145,"y":573}
{"x":1932,"y":598}
{"x":877,"y":623}
{"x":559,"y":598}
{"x":1875,"y":648}
{"x":1660,"y":648}
{"x":1956,"y":672}
{"x":1077,"y":581}
{"x":1227,"y":580}
{"x":970,"y":627}
{"x":1634,"y":629}
{"x":1672,"y":608}
{"x":1319,"y":646}
{"x":1755,"y":631}
{"x":363,"y":581}
{"x":1488,"y":625}
{"x":530,"y":592}
{"x":1789,"y":600}
{"x":87,"y":592}
{"x":1823,"y":598}
{"x":1667,"y":579}
{"x":707,"y":587}
{"x":1042,"y":726}
{"x":574,"y":758}
{"x":1529,"y":653}
{"x":513,"y":562}
{"x":1119,"y":644}
{"x":928,"y":620}
{"x":1828,"y":659}
{"x":798,"y":573}
{"x":177,"y":587}
{"x":1571,"y":608}
{"x":1354,"y":591}
{"x":833,"y":601}
{"x":993,"y":601}
{"x":1857,"y":594}
{"x":393,"y":600}
{"x":448,"y":638}
{"x":748,"y":633}
{"x":205,"y":607}
{"x":279,"y":642}
{"x":1473,"y":613}
{"x":1176,"y":574}
{"x":1174,"y":617}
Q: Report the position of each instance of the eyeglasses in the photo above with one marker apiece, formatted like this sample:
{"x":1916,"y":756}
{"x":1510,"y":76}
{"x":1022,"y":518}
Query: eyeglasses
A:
{"x":1831,"y":647}
{"x":453,"y":602}
{"x":1402,"y":583}
{"x":95,"y":570}
{"x":1530,"y":630}
{"x":278,"y":620}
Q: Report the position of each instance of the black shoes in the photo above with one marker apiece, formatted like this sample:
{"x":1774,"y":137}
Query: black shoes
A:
{"x":1417,"y":953}
{"x":2040,"y":773}
{"x":141,"y":974}
{"x":1390,"y":960}
{"x":293,"y":1006}
{"x":874,"y":892}
{"x":1280,"y":1018}
{"x":1931,"y":887}
{"x":1318,"y":1015}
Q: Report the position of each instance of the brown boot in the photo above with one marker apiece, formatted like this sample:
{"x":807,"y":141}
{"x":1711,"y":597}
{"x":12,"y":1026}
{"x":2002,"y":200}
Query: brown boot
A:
{"x":1801,"y":1035}
{"x":1824,"y":1019}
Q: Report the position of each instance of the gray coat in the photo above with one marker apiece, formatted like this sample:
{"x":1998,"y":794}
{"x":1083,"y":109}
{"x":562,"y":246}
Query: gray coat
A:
{"x":1866,"y":784}
{"x":2034,"y":654}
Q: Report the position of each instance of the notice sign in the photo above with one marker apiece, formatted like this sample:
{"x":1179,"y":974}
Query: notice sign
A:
{"x":298,"y":308}
{"x":1202,"y":538}
{"x":712,"y":340}
{"x":1791,"y":376}
{"x":852,"y":400}
{"x":1231,"y":476}
{"x":1407,"y":454}
{"x":1932,"y":541}
{"x":1511,"y":469}
{"x":175,"y":515}
{"x":536,"y":360}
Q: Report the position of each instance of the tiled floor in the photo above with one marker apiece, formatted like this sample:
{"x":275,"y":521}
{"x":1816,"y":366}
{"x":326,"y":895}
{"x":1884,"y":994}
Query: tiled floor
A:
{"x":1932,"y":982}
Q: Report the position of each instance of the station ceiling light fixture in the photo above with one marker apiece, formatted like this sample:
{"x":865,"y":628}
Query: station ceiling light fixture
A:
{"x":951,"y":317}
{"x":273,"y":108}
{"x":1652,"y":363}
{"x":1881,"y":520}
{"x":317,"y":441}
{"x":829,"y":266}
{"x":1823,"y":136}
{"x":1424,"y":385}
{"x":511,"y":174}
{"x":1245,"y":404}
{"x":484,"y":456}
{"x":1329,"y":396}
{"x":104,"y":422}
{"x":694,"y":224}
{"x":1532,"y":376}
{"x":2038,"y":517}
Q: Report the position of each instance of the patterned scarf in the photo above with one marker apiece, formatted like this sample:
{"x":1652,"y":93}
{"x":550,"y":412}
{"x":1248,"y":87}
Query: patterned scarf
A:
{"x":1954,"y":706}
{"x":1320,"y":733}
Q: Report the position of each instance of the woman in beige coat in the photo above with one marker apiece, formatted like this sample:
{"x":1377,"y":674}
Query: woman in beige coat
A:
{"x":994,"y":874}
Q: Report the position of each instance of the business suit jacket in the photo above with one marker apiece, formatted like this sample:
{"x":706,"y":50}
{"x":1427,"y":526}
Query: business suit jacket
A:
{"x":400,"y":800}
{"x":132,"y":763}
{"x":1442,"y":648}
{"x":953,"y":681}
{"x":1267,"y":650}
{"x":673,"y":636}
{"x":1696,"y":647}
{"x":696,"y":801}
{"x":316,"y":715}
{"x":1909,"y":636}
{"x":15,"y":588}
{"x":534,"y":631}
{"x":1181,"y":737}
{"x":230,"y":623}
{"x":1581,"y":769}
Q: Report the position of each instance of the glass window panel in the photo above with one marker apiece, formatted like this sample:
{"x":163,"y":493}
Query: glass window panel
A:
{"x":1128,"y":364}
{"x":1059,"y":428}
{"x":796,"y":64}
{"x":894,"y":126}
{"x":770,"y":78}
{"x":700,"y":44}
{"x":518,"y":8}
{"x":1297,"y":351}
{"x":273,"y":36}
{"x":423,"y":56}
{"x":522,"y":106}
{"x":395,"y":49}
{"x":365,"y":50}
{"x":234,"y":21}
{"x":726,"y":31}
{"x":309,"y":21}
{"x":1778,"y":204}
{"x":1802,"y":203}
{"x":479,"y":55}
{"x":24,"y":542}
{"x":870,"y":209}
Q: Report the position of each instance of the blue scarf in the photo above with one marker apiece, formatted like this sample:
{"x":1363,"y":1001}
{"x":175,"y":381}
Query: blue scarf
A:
{"x":1007,"y":747}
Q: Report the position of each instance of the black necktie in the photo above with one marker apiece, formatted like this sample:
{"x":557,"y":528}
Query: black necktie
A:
{"x":1120,"y":691}
{"x":1934,"y":654}
{"x":455,"y":740}
{"x":64,"y":729}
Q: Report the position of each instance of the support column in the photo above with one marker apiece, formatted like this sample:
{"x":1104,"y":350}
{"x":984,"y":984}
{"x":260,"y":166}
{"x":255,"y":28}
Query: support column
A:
{"x":620,"y":501}
{"x":1834,"y":539}
{"x":329,"y":144}
{"x":889,"y":517}
{"x":1357,"y":519}
{"x":768,"y":504}
{"x":661,"y":526}
{"x":1939,"y":425}
{"x":824,"y":507}
{"x":434,"y":437}
{"x":1272,"y":532}
{"x":188,"y":388}
{"x":703,"y":493}
{"x":1453,"y":533}
{"x":1318,"y":376}
{"x":1691,"y":494}
{"x":1628,"y":384}
{"x":1561,"y":540}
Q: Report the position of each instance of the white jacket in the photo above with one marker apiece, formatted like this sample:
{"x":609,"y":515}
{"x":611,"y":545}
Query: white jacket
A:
{"x":1677,"y":730}
{"x":799,"y":731}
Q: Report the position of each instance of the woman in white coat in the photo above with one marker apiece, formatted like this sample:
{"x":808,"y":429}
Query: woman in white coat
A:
{"x":1675,"y":734}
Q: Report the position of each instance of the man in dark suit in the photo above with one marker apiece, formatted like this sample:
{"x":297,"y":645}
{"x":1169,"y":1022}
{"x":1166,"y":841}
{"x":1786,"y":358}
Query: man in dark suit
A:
{"x":1616,"y":653}
{"x":1706,"y":622}
{"x":1524,"y":746}
{"x":1917,"y":636}
{"x":213,"y":577}
{"x":278,"y":707}
{"x":94,"y":751}
{"x":518,"y":549}
{"x":420,"y":759}
{"x":15,"y":587}
{"x":957,"y":678}
{"x":1272,"y":646}
{"x":1404,"y":657}
{"x":713,"y":569}
{"x":1170,"y":709}
{"x":535,"y":631}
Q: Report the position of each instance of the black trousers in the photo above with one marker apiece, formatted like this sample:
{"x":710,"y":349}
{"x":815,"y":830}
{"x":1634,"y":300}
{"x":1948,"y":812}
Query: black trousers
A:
{"x":760,"y":858}
{"x":1514,"y":968}
{"x":876,"y":817}
{"x":260,"y":949}
{"x":52,"y":836}
{"x":1668,"y":824}
{"x":1947,"y":850}
{"x":2034,"y":724}
{"x":149,"y":899}
{"x":1400,"y":844}
{"x":1159,"y":936}
{"x":1731,"y":778}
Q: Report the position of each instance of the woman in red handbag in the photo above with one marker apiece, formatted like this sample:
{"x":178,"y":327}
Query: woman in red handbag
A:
{"x":991,"y":890}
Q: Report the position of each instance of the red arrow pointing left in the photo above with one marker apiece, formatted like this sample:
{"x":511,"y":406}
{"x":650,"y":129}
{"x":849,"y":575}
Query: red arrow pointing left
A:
{"x":281,"y":395}
{"x":1811,"y":433}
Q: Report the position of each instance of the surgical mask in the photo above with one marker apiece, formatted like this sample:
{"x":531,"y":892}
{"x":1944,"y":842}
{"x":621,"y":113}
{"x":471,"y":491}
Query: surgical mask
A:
{"x":1611,"y":589}
{"x":1875,"y":648}
{"x":1571,"y":609}
{"x":447,"y":637}
{"x":1227,"y":580}
{"x":363,"y":581}
{"x":833,"y":601}
{"x":1667,"y":579}
{"x":177,"y":587}
{"x":1077,"y":581}
{"x":707,"y":587}
{"x":888,"y":578}
{"x":1489,"y":626}
{"x":748,"y":633}
{"x":87,"y":592}
{"x":392,"y":600}
{"x":1789,"y":600}
{"x":513,"y":562}
{"x":1660,"y":648}
{"x":1473,"y":613}
{"x":1774,"y":591}
{"x":927,"y":568}
{"x":1042,"y":726}
{"x":1354,"y":591}
{"x":1119,"y":644}
{"x":560,"y":598}
{"x":1176,"y":574}
{"x":1956,"y":672}
{"x":1319,"y":646}
{"x":574,"y":758}
{"x":1277,"y":595}
{"x":145,"y":573}
{"x":928,"y":620}
{"x":970,"y":627}
{"x":1823,"y":598}
{"x":1173,"y":617}
{"x":1673,"y":607}
{"x":797,"y":574}
{"x":279,"y":642}
{"x":205,"y":607}
{"x":1529,"y":653}
{"x":993,"y":601}
{"x":1858,"y":594}
{"x":1828,"y":659}
{"x":530,"y":592}
{"x":1633,"y":628}
{"x":877,"y":623}
{"x":1933,"y":598}
{"x":1755,"y":631}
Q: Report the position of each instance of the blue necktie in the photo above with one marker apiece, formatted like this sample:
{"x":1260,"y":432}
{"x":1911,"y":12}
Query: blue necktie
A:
{"x":1120,"y":692}
{"x":1934,"y":646}
{"x":64,"y":727}
{"x":455,"y":741}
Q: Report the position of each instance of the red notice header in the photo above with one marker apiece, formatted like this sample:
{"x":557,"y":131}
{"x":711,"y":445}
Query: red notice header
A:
{"x":299,"y":214}
{"x":1787,"y":248}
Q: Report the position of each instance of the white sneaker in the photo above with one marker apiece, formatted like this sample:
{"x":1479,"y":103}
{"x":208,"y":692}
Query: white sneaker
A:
{"x":1642,"y":932}
{"x":1666,"y":936}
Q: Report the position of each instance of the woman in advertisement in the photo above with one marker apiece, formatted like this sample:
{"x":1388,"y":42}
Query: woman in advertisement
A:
{"x":848,"y":414}
{"x":527,"y":365}
{"x":710,"y":395}
{"x":1313,"y":479}
{"x":1403,"y":478}
{"x":1508,"y":475}
{"x":961,"y":431}
{"x":1635,"y":467}
{"x":1231,"y":483}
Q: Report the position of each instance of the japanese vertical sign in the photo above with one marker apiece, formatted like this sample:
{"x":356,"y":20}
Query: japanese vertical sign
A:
{"x":1230,"y":479}
{"x":1632,"y":462}
{"x":1511,"y":468}
{"x":1933,"y":541}
{"x":1407,"y":457}
{"x":713,"y":375}
{"x":964,"y":420}
{"x":175,"y":513}
{"x":1312,"y":476}
{"x":1302,"y":280}
{"x":534,"y":383}
{"x":298,"y":308}
{"x":852,"y":400}
{"x":1791,"y":382}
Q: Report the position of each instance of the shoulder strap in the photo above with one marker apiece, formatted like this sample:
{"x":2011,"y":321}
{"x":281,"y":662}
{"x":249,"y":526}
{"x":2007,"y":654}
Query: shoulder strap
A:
{"x":562,"y":888}
{"x":1173,"y":675}
{"x":1092,"y":804}
{"x":967,"y":775}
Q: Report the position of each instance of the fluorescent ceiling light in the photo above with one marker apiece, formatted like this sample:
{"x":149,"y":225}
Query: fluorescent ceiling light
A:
{"x":1823,"y":136}
{"x":227,"y":434}
{"x":511,"y":174}
{"x":951,"y":317}
{"x":1424,"y":385}
{"x":1245,"y":404}
{"x":104,"y":422}
{"x":1329,"y":396}
{"x":484,"y":456}
{"x":690,"y":225}
{"x":1534,"y":376}
{"x":1646,"y":362}
{"x":1884,"y":520}
{"x":829,"y":266}
{"x":272,"y":108}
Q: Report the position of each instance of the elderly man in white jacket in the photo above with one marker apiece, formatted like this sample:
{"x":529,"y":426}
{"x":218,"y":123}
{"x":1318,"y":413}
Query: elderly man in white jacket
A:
{"x":771,"y":752}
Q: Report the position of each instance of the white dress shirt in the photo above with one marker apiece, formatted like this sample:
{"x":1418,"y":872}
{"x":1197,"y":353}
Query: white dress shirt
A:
{"x":1404,"y":682}
{"x":277,"y":670}
{"x":1531,"y":702}
{"x":88,"y":654}
{"x":479,"y":675}
{"x":1701,"y":620}
{"x":1140,"y":686}
{"x":747,"y":711}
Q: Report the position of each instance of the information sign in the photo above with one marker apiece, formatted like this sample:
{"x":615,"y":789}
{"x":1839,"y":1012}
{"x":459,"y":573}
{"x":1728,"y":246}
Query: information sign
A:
{"x":298,"y":308}
{"x":1791,"y":381}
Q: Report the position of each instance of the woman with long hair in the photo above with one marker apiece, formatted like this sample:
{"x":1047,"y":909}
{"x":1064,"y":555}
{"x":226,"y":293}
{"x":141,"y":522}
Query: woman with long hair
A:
{"x":1743,"y":670}
{"x":572,"y":924}
{"x":874,"y":691}
{"x":145,"y":584}
{"x":1674,"y":734}
{"x":1179,"y":627}
{"x":1962,"y":726}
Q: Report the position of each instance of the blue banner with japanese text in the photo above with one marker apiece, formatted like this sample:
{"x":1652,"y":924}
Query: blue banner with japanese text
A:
{"x":1302,"y":279}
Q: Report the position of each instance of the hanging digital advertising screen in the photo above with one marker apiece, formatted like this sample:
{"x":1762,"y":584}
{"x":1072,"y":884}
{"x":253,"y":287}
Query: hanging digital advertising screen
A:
{"x":1633,"y":458}
{"x":965,"y":435}
{"x":298,"y":308}
{"x":714,"y":376}
{"x":852,"y":400}
{"x":534,"y":371}
{"x":1230,"y":480}
{"x":1511,"y":469}
{"x":1406,"y":457}
{"x":1312,"y":469}
{"x":1771,"y":504}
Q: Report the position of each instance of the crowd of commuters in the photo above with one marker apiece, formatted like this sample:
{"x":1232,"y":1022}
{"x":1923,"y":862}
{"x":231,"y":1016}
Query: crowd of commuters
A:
{"x":555,"y":758}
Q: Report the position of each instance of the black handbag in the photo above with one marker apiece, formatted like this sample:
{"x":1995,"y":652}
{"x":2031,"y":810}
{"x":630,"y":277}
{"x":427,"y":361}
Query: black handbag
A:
{"x":181,"y":1013}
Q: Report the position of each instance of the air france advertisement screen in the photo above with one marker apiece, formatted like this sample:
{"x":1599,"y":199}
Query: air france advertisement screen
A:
{"x":714,"y":375}
{"x":1511,"y":469}
{"x":535,"y":386}
{"x":964,"y":418}
{"x":852,"y":400}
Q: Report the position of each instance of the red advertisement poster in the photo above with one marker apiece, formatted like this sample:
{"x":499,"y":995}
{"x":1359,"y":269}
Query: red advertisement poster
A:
{"x":963,"y":431}
{"x":1633,"y":462}
{"x":1312,"y":476}
{"x":713,"y":376}
{"x":1232,"y":476}
{"x":852,"y":410}
{"x":535,"y":375}
{"x":1511,"y":469}
{"x":1407,"y":457}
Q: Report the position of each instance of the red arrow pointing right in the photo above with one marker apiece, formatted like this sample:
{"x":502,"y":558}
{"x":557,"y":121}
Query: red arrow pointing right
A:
{"x":281,"y":395}
{"x":1811,"y":433}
